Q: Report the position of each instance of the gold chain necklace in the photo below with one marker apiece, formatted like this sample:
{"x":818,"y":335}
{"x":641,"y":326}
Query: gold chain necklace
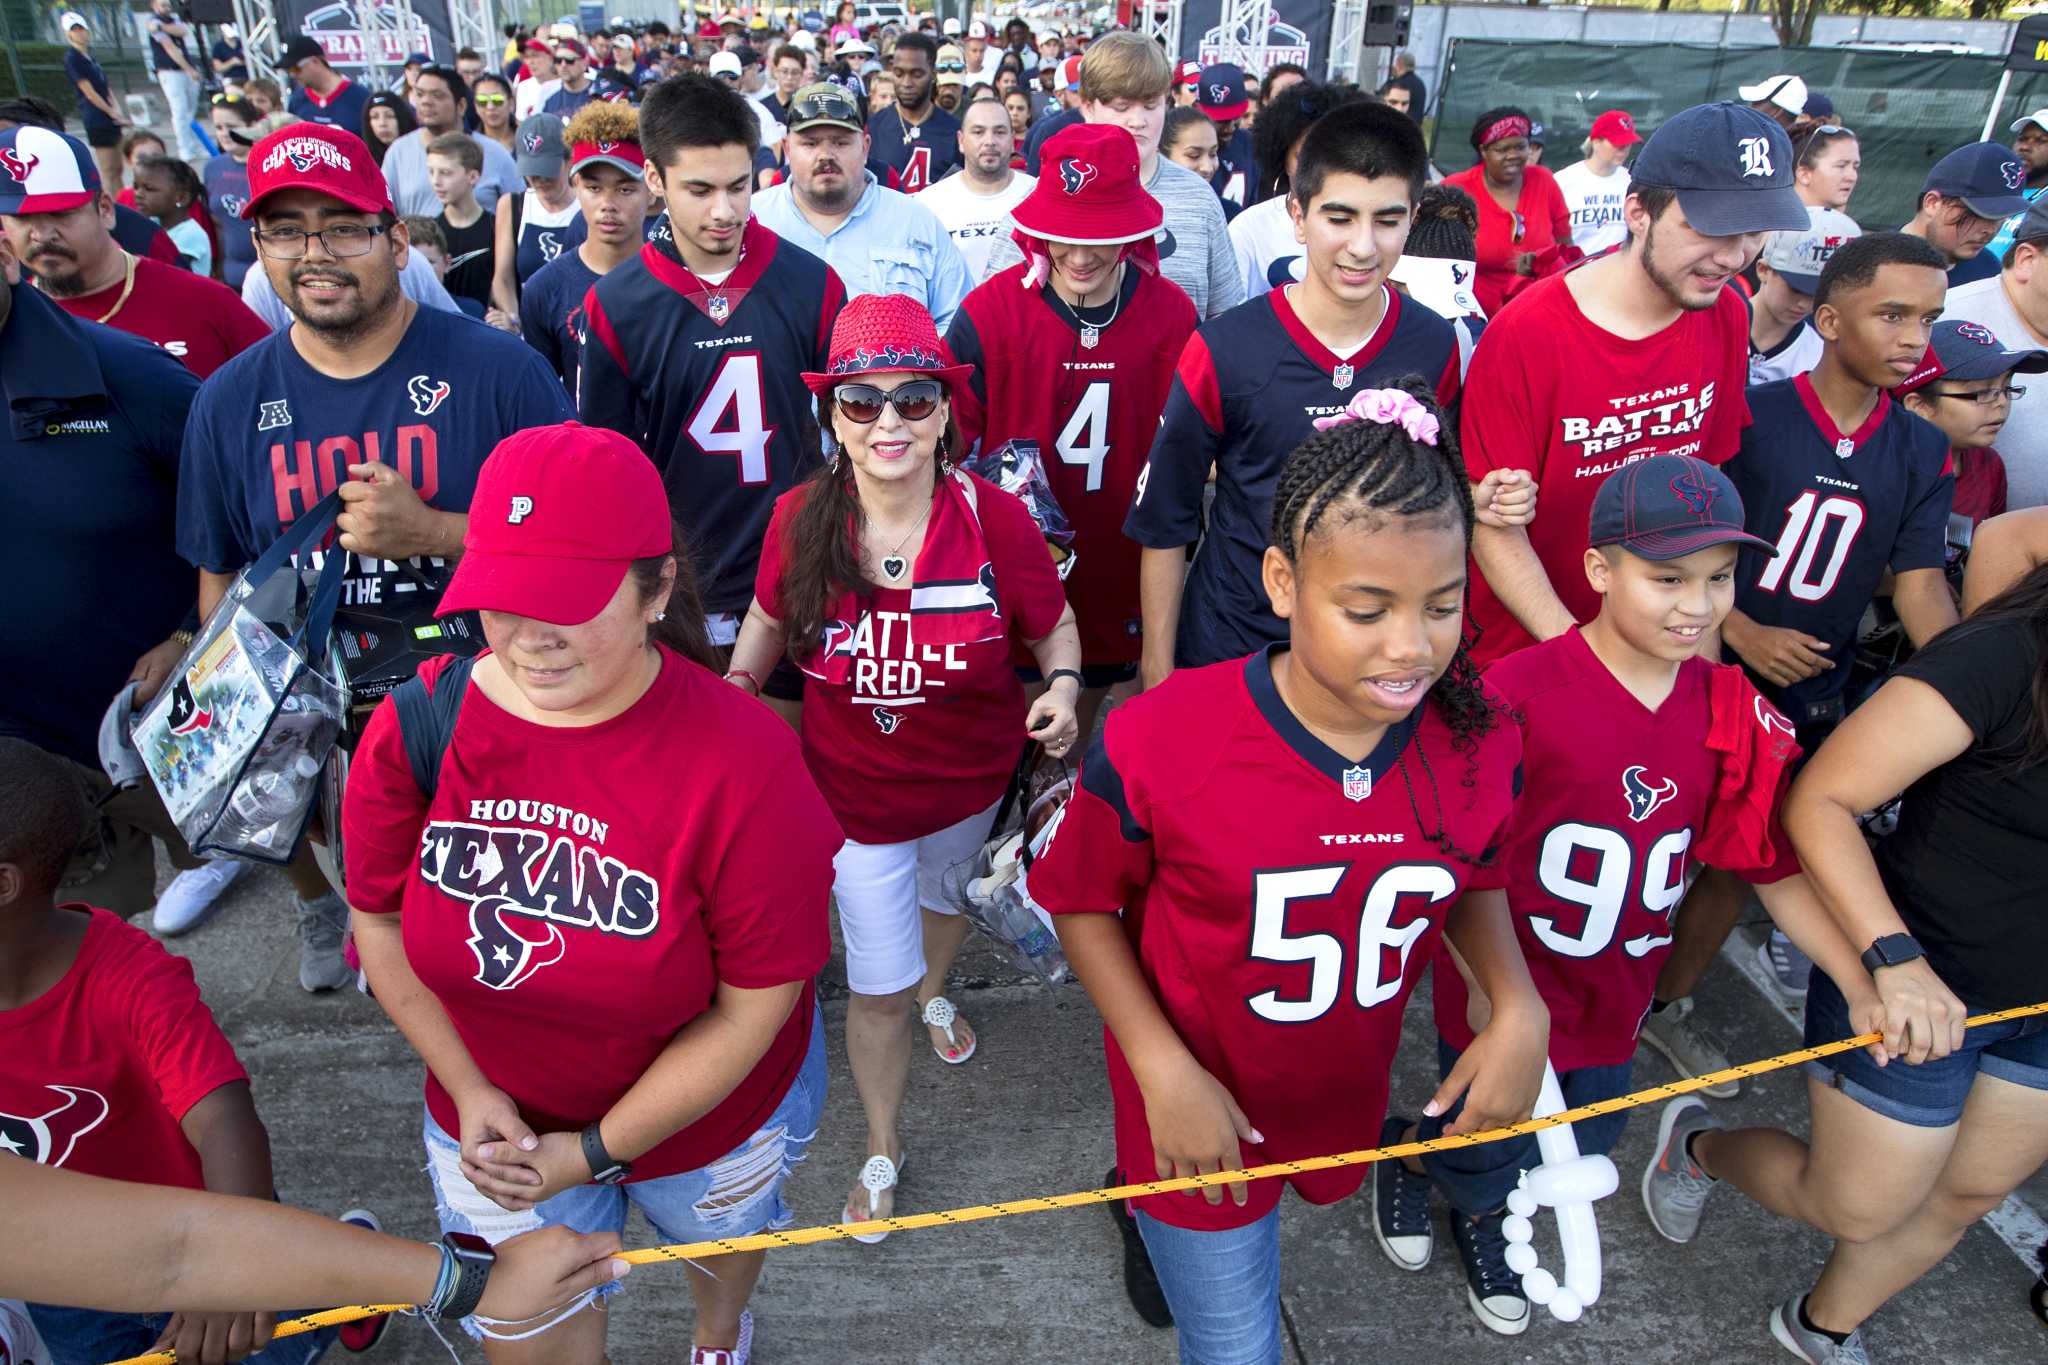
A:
{"x":127,"y":287}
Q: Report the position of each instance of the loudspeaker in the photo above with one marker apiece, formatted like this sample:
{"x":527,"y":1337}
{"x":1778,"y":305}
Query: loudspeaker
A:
{"x":210,"y":11}
{"x":1386,"y":23}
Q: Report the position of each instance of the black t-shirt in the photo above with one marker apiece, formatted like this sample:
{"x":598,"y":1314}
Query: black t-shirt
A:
{"x":472,"y":278}
{"x":1964,"y":865}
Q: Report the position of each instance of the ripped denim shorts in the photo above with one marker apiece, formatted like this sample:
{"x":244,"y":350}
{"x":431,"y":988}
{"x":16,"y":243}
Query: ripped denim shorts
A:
{"x":735,"y":1196}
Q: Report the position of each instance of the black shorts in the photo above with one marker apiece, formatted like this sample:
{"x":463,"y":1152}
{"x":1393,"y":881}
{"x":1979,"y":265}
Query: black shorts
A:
{"x":1093,"y":676}
{"x":102,"y":134}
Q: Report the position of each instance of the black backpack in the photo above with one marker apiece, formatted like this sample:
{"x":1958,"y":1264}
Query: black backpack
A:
{"x":426,"y":720}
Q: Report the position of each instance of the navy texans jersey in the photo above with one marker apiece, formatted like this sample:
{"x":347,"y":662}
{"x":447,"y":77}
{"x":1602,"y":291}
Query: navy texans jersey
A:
{"x":551,"y":313}
{"x":1841,"y":508}
{"x":1236,"y":180}
{"x":709,"y":380}
{"x":916,"y":155}
{"x":1249,"y":387}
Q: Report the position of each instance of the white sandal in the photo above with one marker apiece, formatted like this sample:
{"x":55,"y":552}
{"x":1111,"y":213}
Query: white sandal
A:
{"x":940,"y":1012}
{"x":877,"y":1175}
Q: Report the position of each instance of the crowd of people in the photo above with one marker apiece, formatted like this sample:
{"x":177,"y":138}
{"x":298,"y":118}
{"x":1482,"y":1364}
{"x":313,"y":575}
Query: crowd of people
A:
{"x":1509,"y":575}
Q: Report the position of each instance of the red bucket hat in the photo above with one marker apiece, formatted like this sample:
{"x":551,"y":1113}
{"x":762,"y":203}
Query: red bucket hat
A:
{"x":883,"y":334}
{"x":1088,"y":190}
{"x":559,"y":515}
{"x":313,"y":156}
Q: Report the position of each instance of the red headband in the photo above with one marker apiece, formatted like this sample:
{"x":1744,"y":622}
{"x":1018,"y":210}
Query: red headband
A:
{"x":628,"y":153}
{"x":1514,"y":125}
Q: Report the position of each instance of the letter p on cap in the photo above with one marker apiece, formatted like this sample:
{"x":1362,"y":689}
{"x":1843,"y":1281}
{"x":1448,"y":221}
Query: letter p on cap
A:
{"x":522,"y":508}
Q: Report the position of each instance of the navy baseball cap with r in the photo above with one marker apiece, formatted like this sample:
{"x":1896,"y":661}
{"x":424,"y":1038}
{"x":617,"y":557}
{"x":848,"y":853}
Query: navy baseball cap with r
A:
{"x":1667,"y":506}
{"x":1731,"y":168}
{"x":1986,"y":176}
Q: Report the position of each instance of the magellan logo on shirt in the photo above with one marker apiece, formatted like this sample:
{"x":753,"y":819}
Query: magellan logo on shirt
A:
{"x":529,"y":868}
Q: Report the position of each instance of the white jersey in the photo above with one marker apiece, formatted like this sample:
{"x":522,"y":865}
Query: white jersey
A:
{"x":1263,"y":238}
{"x":1796,"y":354}
{"x":529,"y":95}
{"x":976,"y":222}
{"x":1595,"y":205}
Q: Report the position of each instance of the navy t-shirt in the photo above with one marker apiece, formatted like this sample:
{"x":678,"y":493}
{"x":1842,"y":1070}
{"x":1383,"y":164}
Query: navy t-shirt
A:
{"x":270,"y":436}
{"x":1034,"y":139}
{"x":344,"y":108}
{"x":162,"y":44}
{"x":1840,"y":507}
{"x":1237,"y":172}
{"x":917,"y":154}
{"x":551,"y":313}
{"x":1247,"y":391}
{"x":538,"y":244}
{"x":227,"y":190}
{"x":79,"y":67}
{"x":88,"y":495}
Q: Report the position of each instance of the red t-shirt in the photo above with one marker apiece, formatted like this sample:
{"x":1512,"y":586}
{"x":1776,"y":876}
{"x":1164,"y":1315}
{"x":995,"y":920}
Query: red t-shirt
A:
{"x":1601,"y":843}
{"x":1980,"y":485}
{"x":97,"y":1072}
{"x":201,"y":321}
{"x":573,"y":897}
{"x":1557,"y":395}
{"x":1093,"y":412}
{"x":1546,"y":226}
{"x":923,"y":736}
{"x":1283,"y":903}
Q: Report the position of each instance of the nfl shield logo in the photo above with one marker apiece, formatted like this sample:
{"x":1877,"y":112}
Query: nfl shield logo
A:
{"x":721,"y":308}
{"x":1357,"y":783}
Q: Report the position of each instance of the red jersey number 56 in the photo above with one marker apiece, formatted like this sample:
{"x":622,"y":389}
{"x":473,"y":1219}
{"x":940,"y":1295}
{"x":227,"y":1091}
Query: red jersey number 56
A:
{"x":1378,"y":936}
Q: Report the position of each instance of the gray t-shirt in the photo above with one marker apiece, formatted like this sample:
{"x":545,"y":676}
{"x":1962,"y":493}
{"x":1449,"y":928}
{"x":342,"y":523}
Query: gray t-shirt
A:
{"x":405,"y":175}
{"x":1194,"y":243}
{"x":2023,"y":442}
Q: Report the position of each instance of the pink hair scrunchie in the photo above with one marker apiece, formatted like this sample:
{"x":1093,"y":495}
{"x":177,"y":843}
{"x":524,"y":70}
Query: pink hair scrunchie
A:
{"x":1395,"y":406}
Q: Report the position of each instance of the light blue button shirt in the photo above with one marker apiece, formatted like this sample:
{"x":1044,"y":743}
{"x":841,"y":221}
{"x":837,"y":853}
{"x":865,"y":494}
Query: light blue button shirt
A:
{"x":889,"y":244}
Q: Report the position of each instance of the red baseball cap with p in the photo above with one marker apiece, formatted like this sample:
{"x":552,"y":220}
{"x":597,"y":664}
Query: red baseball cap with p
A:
{"x":312,"y":156}
{"x":559,"y":515}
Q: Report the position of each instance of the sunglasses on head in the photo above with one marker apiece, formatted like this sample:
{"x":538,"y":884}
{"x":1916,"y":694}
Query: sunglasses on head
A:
{"x":915,"y":401}
{"x":1820,"y":130}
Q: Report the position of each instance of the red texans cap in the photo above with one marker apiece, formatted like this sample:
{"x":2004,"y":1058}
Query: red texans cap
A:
{"x":312,"y":156}
{"x":559,"y":515}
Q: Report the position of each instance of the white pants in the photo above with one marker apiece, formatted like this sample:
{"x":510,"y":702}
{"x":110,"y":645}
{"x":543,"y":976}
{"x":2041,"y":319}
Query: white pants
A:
{"x":182,"y":94}
{"x":880,"y":889}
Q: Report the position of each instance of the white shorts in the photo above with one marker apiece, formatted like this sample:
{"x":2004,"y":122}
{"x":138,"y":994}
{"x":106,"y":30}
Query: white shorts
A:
{"x":880,"y":887}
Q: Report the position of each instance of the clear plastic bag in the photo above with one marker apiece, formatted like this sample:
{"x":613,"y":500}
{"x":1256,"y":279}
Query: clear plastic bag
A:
{"x":1017,"y":467}
{"x":992,"y":889}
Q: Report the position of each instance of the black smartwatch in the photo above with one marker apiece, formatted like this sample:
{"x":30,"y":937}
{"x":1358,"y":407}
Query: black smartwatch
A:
{"x":1890,"y":951}
{"x":471,"y":1259}
{"x":603,"y":1169}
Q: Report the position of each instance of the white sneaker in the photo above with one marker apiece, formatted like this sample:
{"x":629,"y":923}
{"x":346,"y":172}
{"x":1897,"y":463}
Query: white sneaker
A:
{"x":192,"y":897}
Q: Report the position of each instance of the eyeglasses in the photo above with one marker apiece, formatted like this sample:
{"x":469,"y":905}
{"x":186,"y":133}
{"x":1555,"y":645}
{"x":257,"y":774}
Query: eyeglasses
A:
{"x":1983,"y":398}
{"x":915,"y":401}
{"x":488,"y":101}
{"x":340,"y":241}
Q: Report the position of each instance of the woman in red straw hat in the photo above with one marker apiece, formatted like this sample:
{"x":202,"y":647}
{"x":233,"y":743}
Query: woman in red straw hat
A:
{"x":900,"y":584}
{"x":1086,"y":321}
{"x":566,"y":902}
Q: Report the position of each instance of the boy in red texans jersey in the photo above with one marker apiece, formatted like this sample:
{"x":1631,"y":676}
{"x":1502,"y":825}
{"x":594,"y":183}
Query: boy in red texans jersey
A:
{"x":111,"y":1065}
{"x":1087,"y":321}
{"x":1651,"y":759}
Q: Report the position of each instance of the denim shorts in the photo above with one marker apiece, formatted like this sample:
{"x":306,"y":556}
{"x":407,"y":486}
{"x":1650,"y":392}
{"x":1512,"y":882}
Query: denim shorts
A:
{"x":1932,"y":1094}
{"x":87,"y":1336}
{"x":684,"y":1207}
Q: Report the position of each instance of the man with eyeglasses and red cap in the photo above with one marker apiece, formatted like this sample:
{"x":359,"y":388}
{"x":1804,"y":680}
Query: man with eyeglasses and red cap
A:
{"x":395,"y":404}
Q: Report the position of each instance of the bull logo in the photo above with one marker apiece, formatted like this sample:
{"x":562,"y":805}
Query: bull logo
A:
{"x":887,"y":720}
{"x":187,"y":716}
{"x":1643,"y":799}
{"x":49,"y":1138}
{"x":426,"y":395}
{"x":18,"y":166}
{"x":1075,"y":174}
{"x":1694,"y":491}
{"x":511,"y":945}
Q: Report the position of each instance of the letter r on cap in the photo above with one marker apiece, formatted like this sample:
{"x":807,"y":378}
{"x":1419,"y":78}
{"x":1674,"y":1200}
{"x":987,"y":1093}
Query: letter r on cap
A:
{"x":522,"y":508}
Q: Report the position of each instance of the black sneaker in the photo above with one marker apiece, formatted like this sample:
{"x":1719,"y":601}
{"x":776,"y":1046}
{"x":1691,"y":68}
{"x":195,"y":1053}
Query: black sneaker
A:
{"x":1148,"y":1300}
{"x":1400,"y":1205}
{"x":1494,"y":1291}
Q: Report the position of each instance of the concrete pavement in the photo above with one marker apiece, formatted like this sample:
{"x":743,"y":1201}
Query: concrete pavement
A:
{"x":340,"y":1092}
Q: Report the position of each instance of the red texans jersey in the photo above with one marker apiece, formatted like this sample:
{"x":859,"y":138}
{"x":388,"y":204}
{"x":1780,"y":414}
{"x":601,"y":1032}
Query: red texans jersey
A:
{"x":1603,"y":845}
{"x":709,"y":380}
{"x":1093,"y":407}
{"x":1282,"y":901}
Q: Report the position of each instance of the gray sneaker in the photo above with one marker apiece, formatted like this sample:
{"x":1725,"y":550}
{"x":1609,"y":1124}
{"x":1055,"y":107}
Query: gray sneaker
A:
{"x":323,"y":927}
{"x":1815,"y":1348}
{"x":1686,"y":1044}
{"x":1674,"y":1187}
{"x":1788,"y":967}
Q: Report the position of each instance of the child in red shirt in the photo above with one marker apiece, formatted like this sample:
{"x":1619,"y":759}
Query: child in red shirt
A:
{"x":1965,"y":386}
{"x":111,"y":1065}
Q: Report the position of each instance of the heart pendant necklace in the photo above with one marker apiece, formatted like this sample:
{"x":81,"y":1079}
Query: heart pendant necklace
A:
{"x":894,"y":565}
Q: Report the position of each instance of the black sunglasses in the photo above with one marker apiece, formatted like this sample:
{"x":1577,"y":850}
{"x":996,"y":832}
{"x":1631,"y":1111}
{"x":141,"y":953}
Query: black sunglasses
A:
{"x":915,"y":401}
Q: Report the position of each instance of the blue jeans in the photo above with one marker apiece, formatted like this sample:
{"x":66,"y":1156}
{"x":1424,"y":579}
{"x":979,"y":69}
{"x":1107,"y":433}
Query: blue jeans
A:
{"x":1223,"y":1287}
{"x":1478,"y":1179}
{"x":86,"y":1336}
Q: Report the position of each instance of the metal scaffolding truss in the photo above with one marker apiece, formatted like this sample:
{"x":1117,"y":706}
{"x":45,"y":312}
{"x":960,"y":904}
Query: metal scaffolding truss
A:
{"x":1161,"y":20}
{"x":386,"y":29}
{"x":474,"y":24}
{"x":1347,"y":39}
{"x":1244,"y":25}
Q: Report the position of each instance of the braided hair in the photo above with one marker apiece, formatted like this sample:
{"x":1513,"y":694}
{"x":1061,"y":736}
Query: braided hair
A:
{"x":1366,"y":468}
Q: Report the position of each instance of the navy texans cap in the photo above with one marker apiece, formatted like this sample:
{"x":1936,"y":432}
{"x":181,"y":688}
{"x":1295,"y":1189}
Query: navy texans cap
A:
{"x":1667,"y":506}
{"x":1730,"y":166}
{"x":1986,"y":176}
{"x":1969,"y":351}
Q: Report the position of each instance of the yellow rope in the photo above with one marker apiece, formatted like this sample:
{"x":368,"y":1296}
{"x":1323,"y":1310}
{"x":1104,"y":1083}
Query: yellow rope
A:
{"x":797,"y":1237}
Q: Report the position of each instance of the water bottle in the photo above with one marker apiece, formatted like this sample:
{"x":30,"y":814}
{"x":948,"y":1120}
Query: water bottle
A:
{"x":263,"y":811}
{"x":1036,"y":947}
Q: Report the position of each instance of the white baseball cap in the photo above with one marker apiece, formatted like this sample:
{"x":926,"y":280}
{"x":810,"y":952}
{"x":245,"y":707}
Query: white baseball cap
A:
{"x":2039,"y":118}
{"x":1443,"y":286}
{"x":1787,"y":92}
{"x":978,"y":29}
{"x":1800,"y":256}
{"x":71,"y":19}
{"x":951,"y":28}
{"x":805,"y":39}
{"x":724,"y":64}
